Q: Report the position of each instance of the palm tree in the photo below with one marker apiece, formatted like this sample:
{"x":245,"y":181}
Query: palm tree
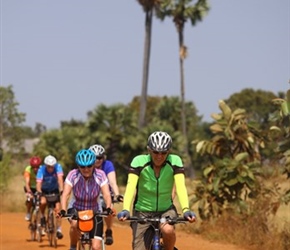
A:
{"x":148,"y":7}
{"x":181,"y":11}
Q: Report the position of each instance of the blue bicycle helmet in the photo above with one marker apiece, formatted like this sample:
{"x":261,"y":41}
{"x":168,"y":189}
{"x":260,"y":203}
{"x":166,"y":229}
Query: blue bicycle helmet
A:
{"x":85,"y":157}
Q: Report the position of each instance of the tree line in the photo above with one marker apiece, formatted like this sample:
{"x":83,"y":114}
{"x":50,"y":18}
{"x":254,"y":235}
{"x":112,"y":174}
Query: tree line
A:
{"x":235,"y":157}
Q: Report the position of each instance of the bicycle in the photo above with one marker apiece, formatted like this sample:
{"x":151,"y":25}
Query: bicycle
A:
{"x":35,"y":216}
{"x":51,"y":229}
{"x":86,"y":220}
{"x":154,"y":233}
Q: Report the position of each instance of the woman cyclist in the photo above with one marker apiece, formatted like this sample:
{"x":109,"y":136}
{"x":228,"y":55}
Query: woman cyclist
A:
{"x":109,"y":169}
{"x":152,"y":177}
{"x":30,"y":183}
{"x":85,"y":183}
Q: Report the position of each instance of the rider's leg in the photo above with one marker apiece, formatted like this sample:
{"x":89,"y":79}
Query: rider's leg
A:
{"x":42,"y":212}
{"x":97,"y":243}
{"x":73,"y":234}
{"x":58,"y":221}
{"x":28,"y":204}
{"x":168,"y":231}
{"x":42,"y":207}
{"x":169,"y":237}
{"x":108,"y":232}
{"x":109,"y":222}
{"x":97,"y":234}
{"x":139,"y":240}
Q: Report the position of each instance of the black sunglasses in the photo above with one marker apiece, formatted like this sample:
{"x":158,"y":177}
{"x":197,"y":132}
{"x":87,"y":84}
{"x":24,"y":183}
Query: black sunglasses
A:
{"x":99,"y":157}
{"x":89,"y":166}
{"x":156,"y":152}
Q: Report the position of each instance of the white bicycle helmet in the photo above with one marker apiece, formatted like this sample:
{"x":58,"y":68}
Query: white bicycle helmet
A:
{"x":50,"y":160}
{"x":97,"y":149}
{"x":159,"y":141}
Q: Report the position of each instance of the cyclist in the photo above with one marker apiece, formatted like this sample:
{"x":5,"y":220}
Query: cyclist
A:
{"x":85,"y":183}
{"x":49,"y":180}
{"x":109,"y":169}
{"x":30,"y":183}
{"x":152,"y":177}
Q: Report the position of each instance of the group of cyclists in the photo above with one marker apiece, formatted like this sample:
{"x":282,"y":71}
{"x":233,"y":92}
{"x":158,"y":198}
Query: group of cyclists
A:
{"x":153,"y":180}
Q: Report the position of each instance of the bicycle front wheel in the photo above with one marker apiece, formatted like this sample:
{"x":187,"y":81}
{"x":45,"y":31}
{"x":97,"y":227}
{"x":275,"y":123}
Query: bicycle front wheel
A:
{"x":33,"y":225}
{"x":81,"y":246}
{"x":38,"y":228}
{"x":51,"y":229}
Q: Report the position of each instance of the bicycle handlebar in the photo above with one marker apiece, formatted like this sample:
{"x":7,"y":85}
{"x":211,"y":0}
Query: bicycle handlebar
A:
{"x":75,"y":215}
{"x":168,"y":220}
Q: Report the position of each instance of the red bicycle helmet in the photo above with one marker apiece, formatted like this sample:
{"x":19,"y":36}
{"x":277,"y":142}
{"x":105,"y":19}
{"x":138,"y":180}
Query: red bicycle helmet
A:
{"x":35,"y":161}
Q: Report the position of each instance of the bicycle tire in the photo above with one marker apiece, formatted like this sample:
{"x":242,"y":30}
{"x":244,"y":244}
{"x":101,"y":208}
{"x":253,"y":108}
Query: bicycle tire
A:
{"x":81,"y":246}
{"x":51,"y":228}
{"x":54,"y":230}
{"x":32,"y":225}
{"x":32,"y":232}
{"x":38,"y":226}
{"x":33,"y":222}
{"x":55,"y":241}
{"x":48,"y":227}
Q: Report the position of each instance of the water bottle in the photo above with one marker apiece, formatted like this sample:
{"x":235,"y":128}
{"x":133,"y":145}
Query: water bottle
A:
{"x":156,"y":242}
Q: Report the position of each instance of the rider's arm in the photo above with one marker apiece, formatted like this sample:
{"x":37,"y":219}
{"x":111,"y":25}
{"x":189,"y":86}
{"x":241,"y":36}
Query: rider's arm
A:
{"x":113,"y":182}
{"x":60,"y":183}
{"x":181,"y":191}
{"x":27,"y":181}
{"x":106,"y":195}
{"x":130,"y":191}
{"x":38,"y":186}
{"x":59,"y":172}
{"x":39,"y":178}
{"x":65,"y":195}
{"x":173,"y":194}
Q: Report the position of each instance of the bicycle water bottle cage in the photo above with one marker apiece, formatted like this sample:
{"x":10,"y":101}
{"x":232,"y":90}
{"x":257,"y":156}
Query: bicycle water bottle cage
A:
{"x":86,"y":220}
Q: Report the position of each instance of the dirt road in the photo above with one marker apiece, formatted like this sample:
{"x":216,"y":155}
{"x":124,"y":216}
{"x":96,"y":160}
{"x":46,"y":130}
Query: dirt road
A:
{"x":15,"y":235}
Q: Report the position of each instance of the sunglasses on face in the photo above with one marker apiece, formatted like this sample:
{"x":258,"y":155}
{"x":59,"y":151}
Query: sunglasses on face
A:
{"x":162,"y":153}
{"x":89,"y":166}
{"x":99,"y":157}
{"x":51,"y":167}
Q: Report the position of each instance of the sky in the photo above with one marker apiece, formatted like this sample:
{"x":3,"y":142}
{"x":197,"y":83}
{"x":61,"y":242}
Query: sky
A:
{"x":64,"y":58}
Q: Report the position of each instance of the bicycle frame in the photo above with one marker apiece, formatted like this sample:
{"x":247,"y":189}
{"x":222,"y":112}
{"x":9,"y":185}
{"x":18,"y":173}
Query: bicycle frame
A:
{"x":156,"y":222}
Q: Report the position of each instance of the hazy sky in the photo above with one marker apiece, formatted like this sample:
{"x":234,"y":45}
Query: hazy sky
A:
{"x":64,"y":57}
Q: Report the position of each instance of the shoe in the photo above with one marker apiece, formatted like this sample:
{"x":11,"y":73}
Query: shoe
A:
{"x":42,"y":222}
{"x":43,"y":233}
{"x":59,"y":235}
{"x":27,"y":217}
{"x":109,"y":237}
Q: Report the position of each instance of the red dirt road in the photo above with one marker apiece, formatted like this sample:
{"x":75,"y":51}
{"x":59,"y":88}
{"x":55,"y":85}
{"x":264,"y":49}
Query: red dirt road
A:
{"x":14,"y":235}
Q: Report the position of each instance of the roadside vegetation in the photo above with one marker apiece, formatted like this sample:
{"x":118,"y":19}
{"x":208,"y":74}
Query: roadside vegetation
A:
{"x":238,"y":166}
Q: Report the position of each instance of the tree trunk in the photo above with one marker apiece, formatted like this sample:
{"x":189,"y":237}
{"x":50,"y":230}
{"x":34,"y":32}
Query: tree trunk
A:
{"x":189,"y":167}
{"x":146,"y":60}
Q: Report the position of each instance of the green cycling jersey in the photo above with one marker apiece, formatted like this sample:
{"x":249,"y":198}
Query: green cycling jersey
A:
{"x":154,"y":194}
